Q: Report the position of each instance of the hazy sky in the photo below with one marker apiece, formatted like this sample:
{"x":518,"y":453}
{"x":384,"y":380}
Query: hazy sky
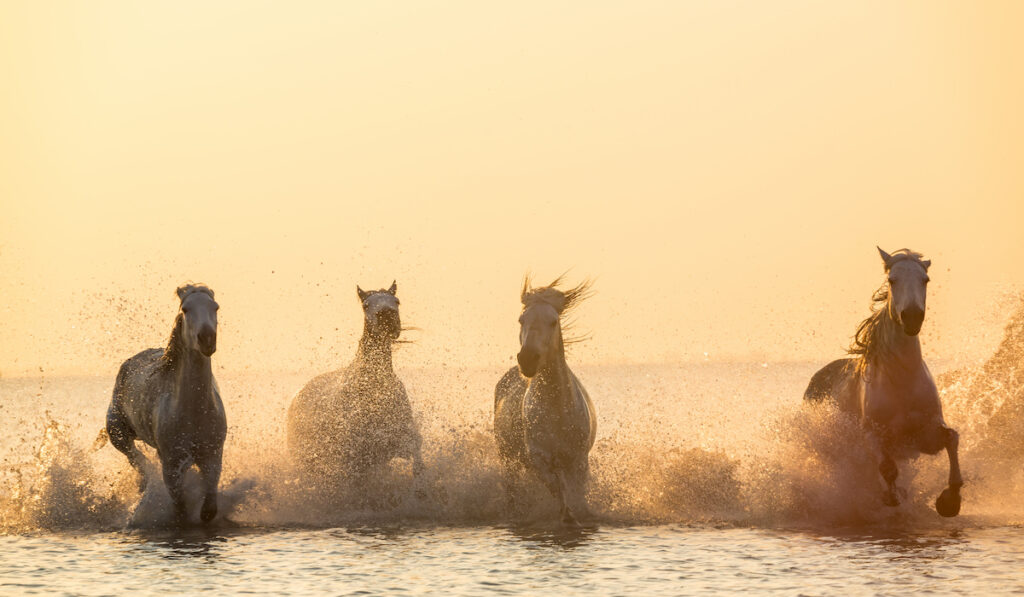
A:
{"x":723,"y":169}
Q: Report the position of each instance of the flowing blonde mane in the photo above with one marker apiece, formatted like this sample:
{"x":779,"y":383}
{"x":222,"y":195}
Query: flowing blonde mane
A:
{"x":563,"y":301}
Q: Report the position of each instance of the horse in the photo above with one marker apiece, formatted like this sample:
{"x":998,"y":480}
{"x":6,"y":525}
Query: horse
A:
{"x":886,"y":384}
{"x":544,"y":420}
{"x":169,"y":399}
{"x":355,"y":420}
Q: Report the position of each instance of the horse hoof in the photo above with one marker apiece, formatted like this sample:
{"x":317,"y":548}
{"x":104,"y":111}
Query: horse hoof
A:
{"x":948,"y":503}
{"x":569,"y":521}
{"x":890,"y":499}
{"x":208,"y":513}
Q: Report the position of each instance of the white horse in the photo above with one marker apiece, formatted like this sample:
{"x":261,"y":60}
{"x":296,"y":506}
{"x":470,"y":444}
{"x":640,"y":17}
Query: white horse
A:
{"x":350,"y":422}
{"x":544,"y":420}
{"x":887,"y":384}
{"x":169,"y":399}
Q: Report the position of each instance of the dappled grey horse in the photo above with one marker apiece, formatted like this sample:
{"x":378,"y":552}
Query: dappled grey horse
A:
{"x":544,"y":420}
{"x":169,"y":399}
{"x":349,"y":422}
{"x":887,"y":385}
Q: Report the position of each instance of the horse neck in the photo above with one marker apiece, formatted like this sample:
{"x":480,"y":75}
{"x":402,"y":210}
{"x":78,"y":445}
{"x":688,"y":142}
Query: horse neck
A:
{"x":374,"y":352}
{"x":904,"y":351}
{"x":194,"y":373}
{"x":554,"y":372}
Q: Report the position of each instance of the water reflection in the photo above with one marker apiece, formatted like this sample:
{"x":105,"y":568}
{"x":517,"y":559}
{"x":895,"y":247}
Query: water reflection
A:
{"x":557,"y":536}
{"x":893,"y":544}
{"x":180,"y":544}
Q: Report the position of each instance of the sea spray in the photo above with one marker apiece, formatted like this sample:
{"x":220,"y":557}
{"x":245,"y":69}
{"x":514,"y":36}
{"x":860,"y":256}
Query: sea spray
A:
{"x":727,"y":443}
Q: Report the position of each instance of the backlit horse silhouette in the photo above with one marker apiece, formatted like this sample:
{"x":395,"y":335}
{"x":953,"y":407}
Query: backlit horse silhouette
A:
{"x":544,"y":420}
{"x":888,"y":386}
{"x":169,"y":399}
{"x":350,"y":422}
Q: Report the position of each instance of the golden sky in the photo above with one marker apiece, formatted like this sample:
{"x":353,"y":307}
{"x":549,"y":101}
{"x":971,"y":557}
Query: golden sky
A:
{"x":723,"y":169}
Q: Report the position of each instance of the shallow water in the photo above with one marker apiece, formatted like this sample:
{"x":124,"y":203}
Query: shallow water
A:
{"x":706,"y":477}
{"x":663,"y":559}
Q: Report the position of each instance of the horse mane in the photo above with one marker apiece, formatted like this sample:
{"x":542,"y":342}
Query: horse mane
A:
{"x":174,"y":346}
{"x":876,"y":334}
{"x":562,"y":301}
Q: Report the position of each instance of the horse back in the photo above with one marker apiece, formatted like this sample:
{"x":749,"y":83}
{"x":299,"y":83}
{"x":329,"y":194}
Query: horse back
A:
{"x":135,"y":393}
{"x":832,"y":382}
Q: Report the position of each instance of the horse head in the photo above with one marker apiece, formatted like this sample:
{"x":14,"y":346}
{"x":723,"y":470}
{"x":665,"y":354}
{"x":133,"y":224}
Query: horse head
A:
{"x":380,"y":311}
{"x":908,"y":288}
{"x":197,"y":318}
{"x":540,"y":329}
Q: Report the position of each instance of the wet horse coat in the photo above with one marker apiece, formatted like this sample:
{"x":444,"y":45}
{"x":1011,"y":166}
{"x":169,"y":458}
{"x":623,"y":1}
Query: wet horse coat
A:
{"x":352,"y":421}
{"x":544,"y":420}
{"x":169,"y":399}
{"x":888,"y":386}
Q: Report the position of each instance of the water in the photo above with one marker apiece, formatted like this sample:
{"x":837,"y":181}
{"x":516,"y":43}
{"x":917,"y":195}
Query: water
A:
{"x":663,"y":559}
{"x":706,"y":477}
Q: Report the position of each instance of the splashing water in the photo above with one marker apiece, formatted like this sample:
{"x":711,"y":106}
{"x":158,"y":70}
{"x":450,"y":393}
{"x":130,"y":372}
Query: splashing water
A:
{"x":720,"y":443}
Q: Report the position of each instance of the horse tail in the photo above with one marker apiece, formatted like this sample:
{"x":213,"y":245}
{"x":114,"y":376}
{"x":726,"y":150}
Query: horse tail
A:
{"x":101,"y":440}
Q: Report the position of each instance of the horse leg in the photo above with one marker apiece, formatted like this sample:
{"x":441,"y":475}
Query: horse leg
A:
{"x":174,"y":468}
{"x":948,"y":502}
{"x":889,"y":472}
{"x":413,"y":450}
{"x":568,"y":519}
{"x":510,"y":479}
{"x":209,"y":470}
{"x":554,"y":480}
{"x":123,"y":438}
{"x":577,"y":483}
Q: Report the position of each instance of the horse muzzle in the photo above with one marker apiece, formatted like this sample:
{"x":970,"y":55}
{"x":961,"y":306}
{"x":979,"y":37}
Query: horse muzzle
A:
{"x":207,"y":342}
{"x":912,"y":320}
{"x":528,"y":362}
{"x":389,"y":321}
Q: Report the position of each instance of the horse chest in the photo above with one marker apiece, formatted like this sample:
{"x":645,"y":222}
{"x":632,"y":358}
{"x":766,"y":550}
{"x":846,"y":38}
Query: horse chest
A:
{"x":195,"y":424}
{"x":554,"y":426}
{"x":902,"y":406}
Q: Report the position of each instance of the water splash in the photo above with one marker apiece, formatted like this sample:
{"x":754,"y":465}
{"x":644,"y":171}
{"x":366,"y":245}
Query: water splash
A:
{"x":58,"y":488}
{"x":716,"y":443}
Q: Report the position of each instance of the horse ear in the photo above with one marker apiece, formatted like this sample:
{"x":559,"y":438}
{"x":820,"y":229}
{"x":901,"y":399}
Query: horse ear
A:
{"x":362,"y":293}
{"x":181,"y":292}
{"x":394,"y":288}
{"x":926,"y":263}
{"x":526,"y":288}
{"x":886,"y":258}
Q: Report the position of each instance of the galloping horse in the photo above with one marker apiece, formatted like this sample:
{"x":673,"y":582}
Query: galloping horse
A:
{"x":888,"y":386}
{"x":544,"y":420}
{"x":349,"y":422}
{"x":169,"y":399}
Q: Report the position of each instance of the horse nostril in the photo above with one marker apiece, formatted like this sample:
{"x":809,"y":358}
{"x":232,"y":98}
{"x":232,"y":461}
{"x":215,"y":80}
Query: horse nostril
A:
{"x":388,"y":318}
{"x":527,"y":362}
{"x":207,"y":337}
{"x":912,"y":318}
